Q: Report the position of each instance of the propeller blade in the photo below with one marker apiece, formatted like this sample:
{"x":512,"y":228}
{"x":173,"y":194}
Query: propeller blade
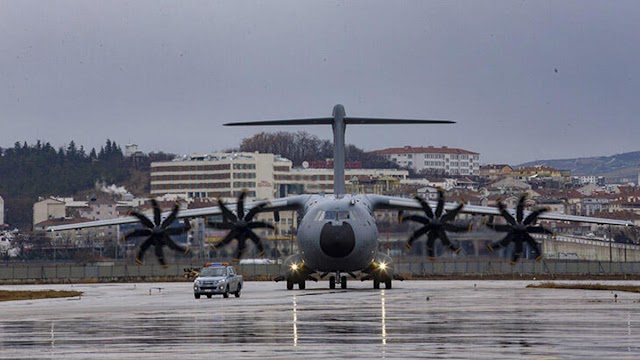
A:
{"x":260,"y":224}
{"x":520,"y":208}
{"x":417,"y":218}
{"x":425,"y":206}
{"x":171,"y":217}
{"x":156,"y":212}
{"x":177,"y":230}
{"x":440,"y":206}
{"x":431,"y":239}
{"x":241,"y":246}
{"x":143,"y":248}
{"x":256,"y":240}
{"x":534,"y":246}
{"x":500,"y":227}
{"x":539,"y":230}
{"x":500,"y":243}
{"x":226,"y":213}
{"x":455,"y":228}
{"x":505,"y":214}
{"x":533,"y":217}
{"x":416,"y":234}
{"x":143,"y":219}
{"x":160,"y":255}
{"x":451,"y":215}
{"x":227,"y":239}
{"x":446,"y":242}
{"x":256,"y":209}
{"x":174,"y":245}
{"x":220,"y":225}
{"x":137,"y":233}
{"x":240,"y":204}
{"x":517,"y":252}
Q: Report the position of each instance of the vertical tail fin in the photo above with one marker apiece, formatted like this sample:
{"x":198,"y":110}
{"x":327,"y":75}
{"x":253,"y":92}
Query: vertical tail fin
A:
{"x":338,"y":122}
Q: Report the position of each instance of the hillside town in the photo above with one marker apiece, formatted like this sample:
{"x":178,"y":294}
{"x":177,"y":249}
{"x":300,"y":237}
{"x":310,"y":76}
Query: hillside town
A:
{"x":198,"y":180}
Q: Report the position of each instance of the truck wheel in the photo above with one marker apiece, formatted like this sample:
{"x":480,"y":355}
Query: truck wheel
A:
{"x":237,"y":293}
{"x":289,"y":285}
{"x":197,"y":296}
{"x":208,"y":296}
{"x":226,"y":293}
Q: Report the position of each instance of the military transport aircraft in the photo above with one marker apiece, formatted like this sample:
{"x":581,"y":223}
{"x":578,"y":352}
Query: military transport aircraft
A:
{"x":337,"y":233}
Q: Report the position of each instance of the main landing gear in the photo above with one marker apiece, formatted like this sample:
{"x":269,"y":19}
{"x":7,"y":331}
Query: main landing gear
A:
{"x":301,"y":284}
{"x":376,"y":284}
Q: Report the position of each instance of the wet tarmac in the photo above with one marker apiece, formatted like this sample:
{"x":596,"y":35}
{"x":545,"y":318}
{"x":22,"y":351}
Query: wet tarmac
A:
{"x":416,"y":319}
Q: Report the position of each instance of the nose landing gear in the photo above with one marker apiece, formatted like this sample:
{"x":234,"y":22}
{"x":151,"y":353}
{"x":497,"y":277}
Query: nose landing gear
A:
{"x":343,"y":281}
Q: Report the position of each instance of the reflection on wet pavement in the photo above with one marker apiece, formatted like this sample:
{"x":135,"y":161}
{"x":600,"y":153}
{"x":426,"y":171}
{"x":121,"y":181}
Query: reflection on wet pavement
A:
{"x":459,"y":320}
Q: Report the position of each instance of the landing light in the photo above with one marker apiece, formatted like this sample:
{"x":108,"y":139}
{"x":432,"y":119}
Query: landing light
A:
{"x":294,"y":267}
{"x":383,"y":266}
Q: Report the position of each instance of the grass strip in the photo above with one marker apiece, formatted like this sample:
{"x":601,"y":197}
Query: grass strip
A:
{"x":11,"y":295}
{"x":551,"y":285}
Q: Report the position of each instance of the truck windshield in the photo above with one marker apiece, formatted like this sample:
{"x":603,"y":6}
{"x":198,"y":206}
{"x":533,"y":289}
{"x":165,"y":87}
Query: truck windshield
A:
{"x":213,"y":271}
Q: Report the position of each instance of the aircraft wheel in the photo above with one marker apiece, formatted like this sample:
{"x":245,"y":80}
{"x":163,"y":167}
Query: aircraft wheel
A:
{"x":332,"y":282}
{"x":343,"y":282}
{"x":376,"y":284}
{"x":301,"y":285}
{"x":209,"y":296}
{"x":197,"y":296}
{"x":387,"y":284}
{"x":289,"y":285}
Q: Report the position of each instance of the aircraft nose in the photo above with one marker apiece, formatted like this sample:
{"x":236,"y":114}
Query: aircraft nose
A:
{"x":337,"y":241}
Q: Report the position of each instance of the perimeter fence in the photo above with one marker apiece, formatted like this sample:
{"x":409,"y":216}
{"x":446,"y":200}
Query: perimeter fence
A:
{"x":26,"y":272}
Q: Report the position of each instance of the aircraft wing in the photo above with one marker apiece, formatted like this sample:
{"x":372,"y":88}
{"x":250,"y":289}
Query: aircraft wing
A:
{"x":280,"y":204}
{"x":399,"y":203}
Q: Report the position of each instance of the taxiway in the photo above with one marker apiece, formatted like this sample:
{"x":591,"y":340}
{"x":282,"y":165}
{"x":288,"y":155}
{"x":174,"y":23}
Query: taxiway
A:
{"x":426,"y":319}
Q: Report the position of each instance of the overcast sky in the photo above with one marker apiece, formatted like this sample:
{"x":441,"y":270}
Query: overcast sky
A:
{"x":524,"y":80}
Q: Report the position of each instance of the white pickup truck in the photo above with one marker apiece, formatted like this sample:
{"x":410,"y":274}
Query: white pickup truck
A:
{"x":219,"y":278}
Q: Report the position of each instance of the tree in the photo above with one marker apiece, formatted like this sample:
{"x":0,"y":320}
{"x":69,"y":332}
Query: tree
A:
{"x":302,"y":146}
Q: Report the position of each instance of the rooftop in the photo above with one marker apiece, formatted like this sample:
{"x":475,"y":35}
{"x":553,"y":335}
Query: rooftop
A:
{"x":423,"y":150}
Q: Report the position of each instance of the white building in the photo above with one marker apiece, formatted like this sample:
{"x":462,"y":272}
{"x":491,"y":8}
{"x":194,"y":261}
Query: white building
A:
{"x":263,"y":176}
{"x":443,"y":160}
{"x":46,"y":209}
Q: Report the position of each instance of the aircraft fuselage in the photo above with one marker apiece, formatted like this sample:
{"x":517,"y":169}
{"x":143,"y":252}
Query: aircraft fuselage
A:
{"x":337,"y":233}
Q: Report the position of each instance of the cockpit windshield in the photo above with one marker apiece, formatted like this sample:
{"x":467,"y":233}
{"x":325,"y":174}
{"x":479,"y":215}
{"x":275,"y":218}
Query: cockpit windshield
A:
{"x":336,"y":215}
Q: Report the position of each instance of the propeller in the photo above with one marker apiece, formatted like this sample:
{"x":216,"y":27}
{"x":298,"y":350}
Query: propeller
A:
{"x":240,"y":225}
{"x":518,"y":229}
{"x":435,"y":224}
{"x":158,"y":232}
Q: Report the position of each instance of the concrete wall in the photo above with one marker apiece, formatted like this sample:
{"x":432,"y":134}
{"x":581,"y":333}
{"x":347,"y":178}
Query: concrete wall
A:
{"x":62,"y":273}
{"x":582,"y":249}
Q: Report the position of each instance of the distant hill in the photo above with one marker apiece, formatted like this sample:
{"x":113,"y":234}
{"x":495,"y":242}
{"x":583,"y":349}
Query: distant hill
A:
{"x":617,"y":166}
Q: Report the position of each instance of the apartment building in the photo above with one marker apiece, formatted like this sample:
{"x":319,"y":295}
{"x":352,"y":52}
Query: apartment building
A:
{"x":263,"y":176}
{"x":435,"y":160}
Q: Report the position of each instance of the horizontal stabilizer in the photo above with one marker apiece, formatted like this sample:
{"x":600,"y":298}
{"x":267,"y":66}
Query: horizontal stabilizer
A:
{"x":379,"y":121}
{"x":347,"y":121}
{"x":313,"y":121}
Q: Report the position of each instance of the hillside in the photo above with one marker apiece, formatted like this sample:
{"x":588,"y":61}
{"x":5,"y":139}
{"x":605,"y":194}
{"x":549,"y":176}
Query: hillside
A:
{"x":617,"y":166}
